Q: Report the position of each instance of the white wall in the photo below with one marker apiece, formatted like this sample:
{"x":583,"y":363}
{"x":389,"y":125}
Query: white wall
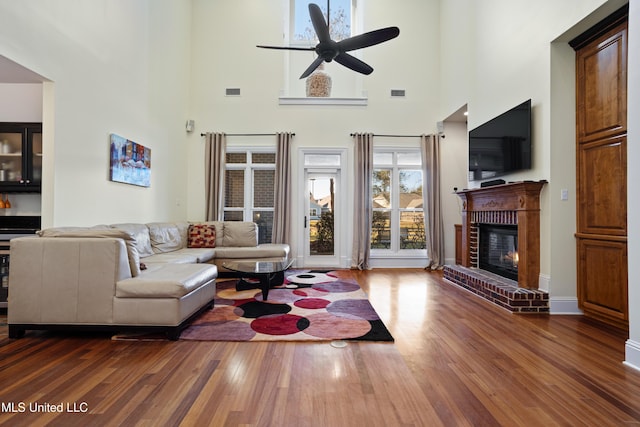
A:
{"x":562,"y":214}
{"x":457,"y":54}
{"x":633,"y":154}
{"x":224,"y":55}
{"x":20,"y":102}
{"x":454,"y":175}
{"x":115,"y":66}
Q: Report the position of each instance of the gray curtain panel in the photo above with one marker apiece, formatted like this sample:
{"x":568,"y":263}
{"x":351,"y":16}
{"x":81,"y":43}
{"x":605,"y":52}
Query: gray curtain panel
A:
{"x":363,"y":213}
{"x":281,"y":232}
{"x":434,"y":227}
{"x":215,"y":164}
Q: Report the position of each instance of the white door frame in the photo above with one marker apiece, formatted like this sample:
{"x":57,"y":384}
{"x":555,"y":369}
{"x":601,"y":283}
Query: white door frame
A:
{"x":340,"y":257}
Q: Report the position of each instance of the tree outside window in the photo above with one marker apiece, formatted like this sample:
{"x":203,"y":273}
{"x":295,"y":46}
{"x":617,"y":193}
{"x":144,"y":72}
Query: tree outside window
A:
{"x":412,"y":235}
{"x":339,"y":25}
{"x":381,"y":225}
{"x":397,"y":202}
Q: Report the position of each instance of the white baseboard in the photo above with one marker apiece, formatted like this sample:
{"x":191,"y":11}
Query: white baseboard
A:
{"x":564,"y":305}
{"x":398,"y":262}
{"x":632,"y":354}
{"x":558,"y":305}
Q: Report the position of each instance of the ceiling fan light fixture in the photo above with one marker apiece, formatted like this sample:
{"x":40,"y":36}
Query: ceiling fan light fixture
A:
{"x":329,"y":50}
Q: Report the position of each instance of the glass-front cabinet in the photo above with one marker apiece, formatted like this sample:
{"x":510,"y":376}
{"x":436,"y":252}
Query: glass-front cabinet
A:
{"x":20,"y":157}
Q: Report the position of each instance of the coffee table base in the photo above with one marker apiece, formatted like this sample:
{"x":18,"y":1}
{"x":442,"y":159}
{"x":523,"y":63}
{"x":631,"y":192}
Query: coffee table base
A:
{"x":266,"y":282}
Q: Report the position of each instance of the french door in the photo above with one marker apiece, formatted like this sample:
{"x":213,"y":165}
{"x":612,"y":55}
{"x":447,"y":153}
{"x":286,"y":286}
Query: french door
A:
{"x":322,"y":228}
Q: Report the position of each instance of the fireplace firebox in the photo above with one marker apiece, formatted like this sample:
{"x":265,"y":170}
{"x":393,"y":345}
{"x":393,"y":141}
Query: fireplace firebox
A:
{"x":498,"y":249}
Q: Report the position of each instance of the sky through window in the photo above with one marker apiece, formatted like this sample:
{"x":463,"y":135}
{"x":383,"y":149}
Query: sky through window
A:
{"x":340,"y":26}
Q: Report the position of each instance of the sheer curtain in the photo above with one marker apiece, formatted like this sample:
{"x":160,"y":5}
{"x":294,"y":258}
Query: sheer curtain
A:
{"x":363,"y":214}
{"x":430,"y":147}
{"x":281,"y":232}
{"x":214,"y":164}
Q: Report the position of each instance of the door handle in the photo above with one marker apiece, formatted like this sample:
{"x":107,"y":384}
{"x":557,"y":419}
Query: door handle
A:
{"x":305,"y":221}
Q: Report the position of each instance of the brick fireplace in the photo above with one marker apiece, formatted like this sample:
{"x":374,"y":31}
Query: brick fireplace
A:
{"x":514,"y":208}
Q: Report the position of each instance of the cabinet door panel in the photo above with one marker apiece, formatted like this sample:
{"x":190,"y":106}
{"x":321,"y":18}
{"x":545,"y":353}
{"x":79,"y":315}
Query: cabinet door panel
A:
{"x":11,"y":140}
{"x":602,"y":87}
{"x":36,"y":156}
{"x":20,"y":157}
{"x":603,"y":187}
{"x":603,"y":277}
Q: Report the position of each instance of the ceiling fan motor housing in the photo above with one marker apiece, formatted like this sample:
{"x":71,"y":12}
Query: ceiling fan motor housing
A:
{"x":328,"y":50}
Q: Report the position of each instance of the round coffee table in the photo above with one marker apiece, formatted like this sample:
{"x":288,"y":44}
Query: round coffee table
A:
{"x":269,"y":273}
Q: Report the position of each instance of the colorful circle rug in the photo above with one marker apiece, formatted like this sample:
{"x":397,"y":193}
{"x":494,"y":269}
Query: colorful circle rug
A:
{"x":311,"y":305}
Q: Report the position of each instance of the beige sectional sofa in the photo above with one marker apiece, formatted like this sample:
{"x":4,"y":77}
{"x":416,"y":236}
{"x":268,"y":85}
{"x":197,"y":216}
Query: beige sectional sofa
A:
{"x":123,"y":276}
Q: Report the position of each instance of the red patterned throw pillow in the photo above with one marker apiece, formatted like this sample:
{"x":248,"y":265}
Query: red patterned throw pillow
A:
{"x":202,"y":236}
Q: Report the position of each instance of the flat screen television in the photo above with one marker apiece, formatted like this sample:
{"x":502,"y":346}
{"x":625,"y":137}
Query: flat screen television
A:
{"x":502,"y":145}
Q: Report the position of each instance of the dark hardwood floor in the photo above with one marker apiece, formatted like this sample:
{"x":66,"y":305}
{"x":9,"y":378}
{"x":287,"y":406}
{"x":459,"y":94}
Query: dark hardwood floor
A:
{"x":457,"y":361}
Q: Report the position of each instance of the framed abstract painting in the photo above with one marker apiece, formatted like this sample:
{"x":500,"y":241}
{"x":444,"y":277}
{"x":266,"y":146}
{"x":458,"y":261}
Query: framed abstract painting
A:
{"x":130,"y":162}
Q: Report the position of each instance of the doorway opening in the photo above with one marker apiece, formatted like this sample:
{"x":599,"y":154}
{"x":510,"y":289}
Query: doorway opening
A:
{"x":323,"y":209}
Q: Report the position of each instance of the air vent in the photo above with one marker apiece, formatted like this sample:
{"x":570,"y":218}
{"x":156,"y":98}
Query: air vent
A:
{"x":233,"y":91}
{"x":397,"y":92}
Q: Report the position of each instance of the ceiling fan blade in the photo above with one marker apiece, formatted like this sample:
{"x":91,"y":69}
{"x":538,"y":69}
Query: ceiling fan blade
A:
{"x":312,"y":67}
{"x":287,"y":47}
{"x":319,"y":24}
{"x":368,"y":39}
{"x":353,"y":63}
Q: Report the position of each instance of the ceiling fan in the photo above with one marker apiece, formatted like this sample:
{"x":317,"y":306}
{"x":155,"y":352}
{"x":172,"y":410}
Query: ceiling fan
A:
{"x":329,"y":50}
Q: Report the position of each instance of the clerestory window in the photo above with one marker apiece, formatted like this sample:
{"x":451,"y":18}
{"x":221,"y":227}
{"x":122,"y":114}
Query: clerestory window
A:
{"x":340,"y":12}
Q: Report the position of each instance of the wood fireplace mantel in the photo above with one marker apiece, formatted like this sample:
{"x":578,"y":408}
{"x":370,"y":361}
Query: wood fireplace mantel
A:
{"x":514,"y":203}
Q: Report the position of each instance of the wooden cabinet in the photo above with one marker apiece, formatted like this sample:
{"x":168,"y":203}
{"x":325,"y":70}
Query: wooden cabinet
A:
{"x":4,"y":277}
{"x":20,"y":157}
{"x":458,"y":239}
{"x":601,"y":160}
{"x":603,"y":288}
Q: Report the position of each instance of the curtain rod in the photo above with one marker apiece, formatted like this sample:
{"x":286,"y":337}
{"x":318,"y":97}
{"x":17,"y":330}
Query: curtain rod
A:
{"x":248,"y":134}
{"x":393,"y":136}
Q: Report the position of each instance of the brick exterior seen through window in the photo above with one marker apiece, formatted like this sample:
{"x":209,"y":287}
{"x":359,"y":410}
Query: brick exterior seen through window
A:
{"x":259,"y":190}
{"x":263,"y":181}
{"x":234,"y":188}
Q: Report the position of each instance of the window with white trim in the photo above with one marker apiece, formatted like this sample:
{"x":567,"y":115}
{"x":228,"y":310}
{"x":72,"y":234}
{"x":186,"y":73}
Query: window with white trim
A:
{"x":249,"y":188}
{"x":398,"y":213}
